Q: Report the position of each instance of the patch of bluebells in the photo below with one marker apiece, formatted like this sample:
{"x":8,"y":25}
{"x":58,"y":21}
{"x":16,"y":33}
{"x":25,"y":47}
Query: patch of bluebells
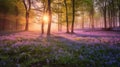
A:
{"x":55,"y":51}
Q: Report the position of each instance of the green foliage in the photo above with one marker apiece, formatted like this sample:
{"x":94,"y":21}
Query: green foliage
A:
{"x":11,"y":12}
{"x":9,"y":6}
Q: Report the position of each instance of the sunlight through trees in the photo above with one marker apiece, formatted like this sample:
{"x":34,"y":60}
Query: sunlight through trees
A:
{"x":67,"y":14}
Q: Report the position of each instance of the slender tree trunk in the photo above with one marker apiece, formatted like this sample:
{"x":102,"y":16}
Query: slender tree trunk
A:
{"x":73,"y":15}
{"x":105,"y":21}
{"x":113,"y":12}
{"x":92,"y":14}
{"x":58,"y":19}
{"x":109,"y":18}
{"x":58,"y":23}
{"x":83,"y":20}
{"x":58,"y":6}
{"x":0,"y":24}
{"x":42,"y":25}
{"x":27,"y":21}
{"x":92,"y":21}
{"x":27,"y":8}
{"x":50,"y":17}
{"x":67,"y":23}
{"x":118,"y":5}
{"x":119,"y":15}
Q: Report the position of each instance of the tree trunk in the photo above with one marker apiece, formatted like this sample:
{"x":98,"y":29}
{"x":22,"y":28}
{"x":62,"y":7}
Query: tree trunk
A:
{"x":83,"y":20}
{"x":50,"y":17}
{"x":27,"y":21}
{"x":92,"y":21}
{"x":105,"y":21}
{"x":119,"y":16}
{"x":58,"y":17}
{"x":67,"y":23}
{"x":73,"y":15}
{"x":27,"y":4}
{"x":58,"y":22}
{"x":109,"y":18}
{"x":42,"y":25}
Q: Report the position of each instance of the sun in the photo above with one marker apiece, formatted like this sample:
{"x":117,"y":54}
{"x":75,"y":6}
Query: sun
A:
{"x":45,"y":18}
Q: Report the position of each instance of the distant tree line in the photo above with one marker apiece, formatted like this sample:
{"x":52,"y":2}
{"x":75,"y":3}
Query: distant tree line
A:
{"x":110,"y":10}
{"x":11,"y":13}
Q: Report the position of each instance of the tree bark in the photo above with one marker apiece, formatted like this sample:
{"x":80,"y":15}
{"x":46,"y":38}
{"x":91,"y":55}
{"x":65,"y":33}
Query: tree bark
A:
{"x":58,"y":17}
{"x":27,"y":22}
{"x":67,"y":23}
{"x":27,"y":8}
{"x":42,"y":25}
{"x":73,"y":15}
{"x":105,"y":21}
{"x":50,"y":17}
{"x":119,"y":15}
{"x":83,"y":20}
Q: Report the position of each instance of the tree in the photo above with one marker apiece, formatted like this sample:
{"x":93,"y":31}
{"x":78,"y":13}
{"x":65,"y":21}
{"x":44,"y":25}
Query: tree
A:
{"x":50,"y":17}
{"x":3,"y":10}
{"x":91,"y":12}
{"x":27,"y":5}
{"x":73,"y":16}
{"x":118,"y":5}
{"x":44,"y":12}
{"x":10,"y":8}
{"x":67,"y":23}
{"x":58,"y":10}
{"x":17,"y":6}
{"x":110,"y":12}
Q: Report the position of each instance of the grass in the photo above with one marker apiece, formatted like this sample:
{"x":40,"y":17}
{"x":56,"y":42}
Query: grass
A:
{"x":51,"y":52}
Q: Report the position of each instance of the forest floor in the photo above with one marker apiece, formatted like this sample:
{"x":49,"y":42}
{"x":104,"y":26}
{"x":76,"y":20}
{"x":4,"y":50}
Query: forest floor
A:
{"x":82,"y":49}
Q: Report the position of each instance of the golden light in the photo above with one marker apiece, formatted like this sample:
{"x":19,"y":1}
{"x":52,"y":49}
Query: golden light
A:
{"x":45,"y":18}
